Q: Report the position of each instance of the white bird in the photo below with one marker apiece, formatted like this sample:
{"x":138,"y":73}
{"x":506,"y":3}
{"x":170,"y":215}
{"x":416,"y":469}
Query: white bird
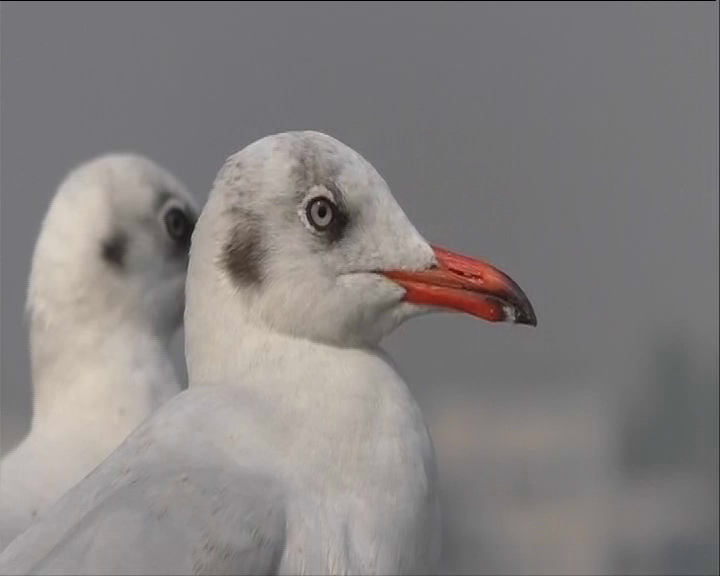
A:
{"x":105,"y":297}
{"x":297,"y":448}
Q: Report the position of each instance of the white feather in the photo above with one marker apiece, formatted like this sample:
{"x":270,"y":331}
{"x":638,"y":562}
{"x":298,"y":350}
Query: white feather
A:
{"x":297,"y":448}
{"x":99,"y":335}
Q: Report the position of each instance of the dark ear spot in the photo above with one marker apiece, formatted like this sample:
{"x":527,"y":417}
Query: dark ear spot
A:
{"x":114,"y":249}
{"x":242,"y":255}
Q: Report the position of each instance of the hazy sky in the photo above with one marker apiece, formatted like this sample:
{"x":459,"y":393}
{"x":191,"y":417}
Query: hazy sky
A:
{"x":574,"y":145}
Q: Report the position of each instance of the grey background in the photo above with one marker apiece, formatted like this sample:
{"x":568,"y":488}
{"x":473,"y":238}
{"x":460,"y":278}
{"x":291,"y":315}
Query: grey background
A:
{"x":574,"y":145}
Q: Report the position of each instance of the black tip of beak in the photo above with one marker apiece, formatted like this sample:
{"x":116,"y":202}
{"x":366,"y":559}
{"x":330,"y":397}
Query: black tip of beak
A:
{"x":522,"y":309}
{"x":526,"y":316}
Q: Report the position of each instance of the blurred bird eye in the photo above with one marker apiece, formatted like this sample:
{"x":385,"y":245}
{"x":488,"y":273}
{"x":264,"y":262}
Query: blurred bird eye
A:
{"x":178,"y":225}
{"x":320,"y":213}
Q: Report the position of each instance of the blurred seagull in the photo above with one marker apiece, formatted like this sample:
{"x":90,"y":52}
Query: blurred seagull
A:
{"x":105,"y":297}
{"x":297,"y":448}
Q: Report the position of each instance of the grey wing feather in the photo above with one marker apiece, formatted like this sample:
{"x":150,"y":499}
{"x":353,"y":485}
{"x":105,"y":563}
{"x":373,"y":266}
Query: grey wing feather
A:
{"x":204,"y":520}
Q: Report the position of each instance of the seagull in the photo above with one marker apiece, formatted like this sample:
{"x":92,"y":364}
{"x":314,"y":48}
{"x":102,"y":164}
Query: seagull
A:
{"x":105,"y":297}
{"x":297,"y":448}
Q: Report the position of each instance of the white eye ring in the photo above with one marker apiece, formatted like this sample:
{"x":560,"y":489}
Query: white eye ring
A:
{"x":320,"y":213}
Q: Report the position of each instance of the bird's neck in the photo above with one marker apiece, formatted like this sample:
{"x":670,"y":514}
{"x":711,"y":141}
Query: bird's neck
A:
{"x":227,"y":343}
{"x":113,"y":374}
{"x":289,"y":370}
{"x":325,"y":410}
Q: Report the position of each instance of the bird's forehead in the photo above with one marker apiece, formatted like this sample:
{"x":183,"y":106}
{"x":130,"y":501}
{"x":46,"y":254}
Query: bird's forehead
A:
{"x":312,"y":165}
{"x":293,"y":163}
{"x":320,"y":159}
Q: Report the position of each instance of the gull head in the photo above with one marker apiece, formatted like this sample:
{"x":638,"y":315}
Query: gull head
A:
{"x":301,"y":235}
{"x":113,"y":247}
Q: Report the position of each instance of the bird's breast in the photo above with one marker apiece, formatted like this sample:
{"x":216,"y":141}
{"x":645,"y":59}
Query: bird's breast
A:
{"x":365,"y":495}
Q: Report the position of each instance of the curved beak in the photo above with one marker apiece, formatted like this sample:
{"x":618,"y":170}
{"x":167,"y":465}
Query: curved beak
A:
{"x":466,"y":285}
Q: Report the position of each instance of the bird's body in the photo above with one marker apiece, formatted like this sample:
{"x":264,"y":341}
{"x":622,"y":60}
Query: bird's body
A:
{"x":61,"y":449}
{"x":297,"y":448}
{"x":261,"y":462}
{"x":105,"y":297}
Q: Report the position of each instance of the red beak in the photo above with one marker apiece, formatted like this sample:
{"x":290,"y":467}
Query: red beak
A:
{"x":467,"y":285}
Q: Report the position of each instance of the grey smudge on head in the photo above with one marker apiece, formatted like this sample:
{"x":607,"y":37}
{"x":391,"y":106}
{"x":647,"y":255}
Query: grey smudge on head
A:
{"x":315,"y":162}
{"x":317,"y":166}
{"x":243,"y":252}
{"x":114,"y":249}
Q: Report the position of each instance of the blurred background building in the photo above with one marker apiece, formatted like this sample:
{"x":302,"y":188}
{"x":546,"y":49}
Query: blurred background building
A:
{"x":585,"y":484}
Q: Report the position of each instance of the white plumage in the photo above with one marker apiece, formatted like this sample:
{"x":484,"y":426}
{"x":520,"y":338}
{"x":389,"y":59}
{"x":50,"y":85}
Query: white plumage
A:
{"x":105,"y":296}
{"x":297,"y":447}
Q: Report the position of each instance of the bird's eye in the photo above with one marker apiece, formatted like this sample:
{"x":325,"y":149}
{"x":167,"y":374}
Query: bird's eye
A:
{"x":178,"y":225}
{"x":320,"y":213}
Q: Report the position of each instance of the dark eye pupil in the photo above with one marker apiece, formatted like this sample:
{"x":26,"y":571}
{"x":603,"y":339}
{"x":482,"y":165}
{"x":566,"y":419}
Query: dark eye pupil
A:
{"x":176,"y":223}
{"x":320,"y":213}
